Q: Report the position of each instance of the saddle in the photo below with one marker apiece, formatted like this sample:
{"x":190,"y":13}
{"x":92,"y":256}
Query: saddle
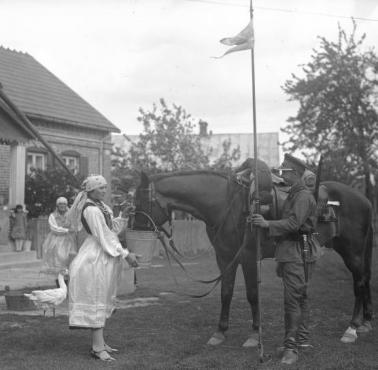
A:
{"x":327,"y":208}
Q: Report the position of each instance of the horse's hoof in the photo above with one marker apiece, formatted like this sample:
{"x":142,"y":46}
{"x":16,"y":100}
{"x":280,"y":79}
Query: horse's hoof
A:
{"x":252,"y":341}
{"x":365,"y":327}
{"x":216,"y":339}
{"x":350,"y":336}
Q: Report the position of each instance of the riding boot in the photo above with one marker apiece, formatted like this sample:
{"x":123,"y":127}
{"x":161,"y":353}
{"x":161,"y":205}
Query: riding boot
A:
{"x":291,"y":326}
{"x":303,"y":334}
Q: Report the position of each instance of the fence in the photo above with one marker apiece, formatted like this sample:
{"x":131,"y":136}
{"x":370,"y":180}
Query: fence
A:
{"x":189,"y":237}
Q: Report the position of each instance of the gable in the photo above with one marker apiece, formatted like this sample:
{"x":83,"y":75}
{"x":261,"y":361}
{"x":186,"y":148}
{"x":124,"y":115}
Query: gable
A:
{"x":39,"y":93}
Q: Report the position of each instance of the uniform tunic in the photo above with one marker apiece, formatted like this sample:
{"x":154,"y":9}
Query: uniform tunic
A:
{"x":95,"y":271}
{"x":299,"y":213}
{"x":59,"y":243}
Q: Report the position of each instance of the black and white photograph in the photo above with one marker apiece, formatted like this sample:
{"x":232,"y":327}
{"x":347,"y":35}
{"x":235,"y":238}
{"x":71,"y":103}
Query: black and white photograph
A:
{"x":188,"y":184}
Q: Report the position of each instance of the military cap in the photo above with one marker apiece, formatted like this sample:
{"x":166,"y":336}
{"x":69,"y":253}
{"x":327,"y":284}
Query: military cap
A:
{"x":292,"y":162}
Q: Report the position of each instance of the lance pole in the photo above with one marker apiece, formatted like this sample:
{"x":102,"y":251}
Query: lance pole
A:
{"x":256,"y":196}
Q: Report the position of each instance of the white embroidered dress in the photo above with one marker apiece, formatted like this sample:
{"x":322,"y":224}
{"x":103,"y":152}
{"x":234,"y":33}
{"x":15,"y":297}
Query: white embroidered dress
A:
{"x":95,"y":271}
{"x":58,"y":245}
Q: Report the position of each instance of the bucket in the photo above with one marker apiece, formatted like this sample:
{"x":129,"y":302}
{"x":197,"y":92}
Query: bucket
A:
{"x":142,"y":243}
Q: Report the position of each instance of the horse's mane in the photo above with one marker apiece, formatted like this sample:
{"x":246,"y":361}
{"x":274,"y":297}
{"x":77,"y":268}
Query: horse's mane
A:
{"x":224,"y":174}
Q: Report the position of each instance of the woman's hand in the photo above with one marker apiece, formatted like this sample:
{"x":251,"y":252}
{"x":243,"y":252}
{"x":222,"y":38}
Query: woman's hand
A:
{"x":132,"y":259}
{"x":127,"y":211}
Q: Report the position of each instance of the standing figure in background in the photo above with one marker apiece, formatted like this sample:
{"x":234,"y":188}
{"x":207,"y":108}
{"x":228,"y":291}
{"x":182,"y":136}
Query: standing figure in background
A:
{"x":18,"y":225}
{"x":95,"y":271}
{"x":60,"y":243}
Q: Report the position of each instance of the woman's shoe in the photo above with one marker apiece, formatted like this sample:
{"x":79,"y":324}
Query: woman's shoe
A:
{"x":102,"y":355}
{"x":110,"y":349}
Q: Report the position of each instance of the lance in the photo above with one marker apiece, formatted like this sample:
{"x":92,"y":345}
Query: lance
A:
{"x":257,"y":198}
{"x":30,"y":127}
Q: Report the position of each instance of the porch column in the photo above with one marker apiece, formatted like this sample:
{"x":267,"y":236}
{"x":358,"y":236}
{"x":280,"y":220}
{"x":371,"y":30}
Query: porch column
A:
{"x":17,"y":174}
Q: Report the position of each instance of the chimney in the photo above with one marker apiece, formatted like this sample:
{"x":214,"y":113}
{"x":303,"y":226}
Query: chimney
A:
{"x":202,"y":128}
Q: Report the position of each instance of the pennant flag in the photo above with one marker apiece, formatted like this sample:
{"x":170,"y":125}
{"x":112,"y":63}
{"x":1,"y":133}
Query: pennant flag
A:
{"x":242,"y":41}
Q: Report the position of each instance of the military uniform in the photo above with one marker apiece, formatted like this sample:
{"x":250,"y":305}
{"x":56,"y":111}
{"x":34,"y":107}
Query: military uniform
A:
{"x":298,"y":218}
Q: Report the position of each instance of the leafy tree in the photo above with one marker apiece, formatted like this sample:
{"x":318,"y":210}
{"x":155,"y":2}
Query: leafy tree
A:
{"x":337,"y":114}
{"x":168,"y":141}
{"x":42,"y":188}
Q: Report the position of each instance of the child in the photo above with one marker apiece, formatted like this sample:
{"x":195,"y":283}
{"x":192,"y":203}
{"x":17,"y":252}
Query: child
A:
{"x":18,"y":224}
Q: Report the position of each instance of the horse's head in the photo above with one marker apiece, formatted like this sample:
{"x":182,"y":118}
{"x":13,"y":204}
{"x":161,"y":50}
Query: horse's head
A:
{"x":151,"y":210}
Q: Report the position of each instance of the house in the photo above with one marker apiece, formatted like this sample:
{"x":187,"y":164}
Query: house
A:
{"x":74,"y":129}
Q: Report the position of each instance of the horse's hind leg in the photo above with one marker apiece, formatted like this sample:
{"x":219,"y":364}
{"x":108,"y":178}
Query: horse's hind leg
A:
{"x":367,"y":302}
{"x":356,"y":265}
{"x":227,"y":289}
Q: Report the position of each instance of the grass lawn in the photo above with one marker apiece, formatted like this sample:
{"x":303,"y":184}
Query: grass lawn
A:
{"x":172,"y":334}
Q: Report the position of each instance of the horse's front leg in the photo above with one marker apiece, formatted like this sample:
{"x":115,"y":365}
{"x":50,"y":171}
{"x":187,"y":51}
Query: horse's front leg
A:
{"x":250,"y":277}
{"x":227,"y":289}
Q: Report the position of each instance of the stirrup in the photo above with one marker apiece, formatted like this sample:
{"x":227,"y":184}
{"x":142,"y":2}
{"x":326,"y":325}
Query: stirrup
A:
{"x":102,"y":355}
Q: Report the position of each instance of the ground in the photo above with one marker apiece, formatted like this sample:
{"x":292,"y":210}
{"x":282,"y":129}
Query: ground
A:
{"x":171,"y":332}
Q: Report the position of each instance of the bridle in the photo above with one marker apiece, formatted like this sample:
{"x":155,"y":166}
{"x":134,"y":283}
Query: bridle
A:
{"x":153,"y":199}
{"x":166,"y":213}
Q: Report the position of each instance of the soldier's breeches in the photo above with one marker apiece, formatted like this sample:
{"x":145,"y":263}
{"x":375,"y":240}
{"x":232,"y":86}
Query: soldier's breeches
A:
{"x":295,"y":303}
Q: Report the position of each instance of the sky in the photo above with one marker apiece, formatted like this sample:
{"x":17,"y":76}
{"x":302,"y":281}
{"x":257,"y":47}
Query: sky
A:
{"x":120,"y":55}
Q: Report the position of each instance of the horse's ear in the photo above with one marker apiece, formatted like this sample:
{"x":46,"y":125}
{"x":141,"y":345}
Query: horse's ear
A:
{"x":144,"y":180}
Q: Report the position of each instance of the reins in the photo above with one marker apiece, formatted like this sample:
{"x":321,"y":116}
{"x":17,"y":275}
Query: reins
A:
{"x":160,"y":230}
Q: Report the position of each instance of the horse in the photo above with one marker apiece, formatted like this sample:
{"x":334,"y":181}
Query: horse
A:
{"x":219,"y":200}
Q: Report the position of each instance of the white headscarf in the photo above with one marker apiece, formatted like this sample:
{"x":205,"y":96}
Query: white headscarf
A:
{"x":92,"y":182}
{"x":61,"y":200}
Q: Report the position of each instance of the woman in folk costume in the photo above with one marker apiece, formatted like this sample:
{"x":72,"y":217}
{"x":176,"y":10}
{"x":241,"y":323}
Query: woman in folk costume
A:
{"x":60,"y":242}
{"x":95,"y":270}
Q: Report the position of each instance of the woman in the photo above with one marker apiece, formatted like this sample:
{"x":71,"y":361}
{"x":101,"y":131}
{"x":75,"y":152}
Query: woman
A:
{"x":60,"y":242}
{"x":18,"y":225}
{"x":95,"y":270}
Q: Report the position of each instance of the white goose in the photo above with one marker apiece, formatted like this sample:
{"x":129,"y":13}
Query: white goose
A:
{"x":50,"y":298}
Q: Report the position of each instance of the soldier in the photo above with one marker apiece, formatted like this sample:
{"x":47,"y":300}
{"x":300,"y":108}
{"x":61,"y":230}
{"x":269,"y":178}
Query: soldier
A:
{"x":296,"y":252}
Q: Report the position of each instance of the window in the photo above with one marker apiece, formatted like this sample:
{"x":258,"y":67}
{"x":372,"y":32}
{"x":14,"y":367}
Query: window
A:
{"x":35,"y":160}
{"x":72,"y":163}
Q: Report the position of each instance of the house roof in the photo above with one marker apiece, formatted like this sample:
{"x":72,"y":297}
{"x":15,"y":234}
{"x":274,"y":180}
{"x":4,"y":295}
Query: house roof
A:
{"x":39,"y":93}
{"x":12,"y":128}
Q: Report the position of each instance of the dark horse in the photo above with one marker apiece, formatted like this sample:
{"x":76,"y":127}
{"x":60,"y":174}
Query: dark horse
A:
{"x":220,"y":201}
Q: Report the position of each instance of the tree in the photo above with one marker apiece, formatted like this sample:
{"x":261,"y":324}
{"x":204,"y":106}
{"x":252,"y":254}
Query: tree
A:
{"x":337,"y":114}
{"x":168,"y":141}
{"x":42,"y":188}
